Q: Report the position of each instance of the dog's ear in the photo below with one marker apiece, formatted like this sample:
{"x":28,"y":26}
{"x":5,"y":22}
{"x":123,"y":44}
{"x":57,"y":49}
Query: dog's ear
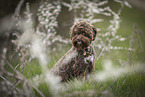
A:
{"x":70,"y":34}
{"x":95,"y":33}
{"x":71,"y":31}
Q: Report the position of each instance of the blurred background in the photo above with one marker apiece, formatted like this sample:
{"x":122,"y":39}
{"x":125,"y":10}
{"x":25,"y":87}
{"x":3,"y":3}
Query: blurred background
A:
{"x":34,"y":35}
{"x":130,"y":19}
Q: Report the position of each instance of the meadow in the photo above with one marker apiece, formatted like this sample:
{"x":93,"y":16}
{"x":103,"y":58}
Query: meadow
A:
{"x":126,"y":85}
{"x":117,"y":72}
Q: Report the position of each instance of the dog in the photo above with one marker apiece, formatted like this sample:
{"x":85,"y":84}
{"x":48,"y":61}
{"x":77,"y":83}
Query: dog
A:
{"x":79,"y":60}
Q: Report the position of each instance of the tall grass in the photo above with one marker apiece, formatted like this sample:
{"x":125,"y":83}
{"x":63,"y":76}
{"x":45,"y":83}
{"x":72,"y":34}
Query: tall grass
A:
{"x":129,"y":85}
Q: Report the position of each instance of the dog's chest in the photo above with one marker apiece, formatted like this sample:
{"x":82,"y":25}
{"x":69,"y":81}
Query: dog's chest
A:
{"x":89,"y":59}
{"x":85,"y":57}
{"x":82,"y":63}
{"x":88,"y":56}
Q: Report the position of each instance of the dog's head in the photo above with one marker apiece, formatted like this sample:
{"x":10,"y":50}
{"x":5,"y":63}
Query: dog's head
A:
{"x":82,"y":34}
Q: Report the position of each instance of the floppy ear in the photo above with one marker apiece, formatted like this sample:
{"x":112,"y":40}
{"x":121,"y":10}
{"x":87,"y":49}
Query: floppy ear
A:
{"x":71,"y":31}
{"x":95,"y":33}
{"x":70,"y":34}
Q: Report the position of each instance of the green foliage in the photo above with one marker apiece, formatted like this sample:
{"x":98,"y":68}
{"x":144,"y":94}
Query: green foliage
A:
{"x":32,"y":69}
{"x":98,"y":65}
{"x":44,"y":88}
{"x":129,"y":86}
{"x":126,"y":86}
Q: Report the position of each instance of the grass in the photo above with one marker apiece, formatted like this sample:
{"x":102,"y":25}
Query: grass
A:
{"x":126,"y":86}
{"x":130,"y":86}
{"x":32,"y":69}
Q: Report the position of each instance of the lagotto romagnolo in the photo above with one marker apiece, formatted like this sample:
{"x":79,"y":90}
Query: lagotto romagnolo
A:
{"x":79,"y":60}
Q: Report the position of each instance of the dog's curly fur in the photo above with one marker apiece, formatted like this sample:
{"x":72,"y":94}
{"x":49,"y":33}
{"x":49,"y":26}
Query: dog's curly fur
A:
{"x":79,"y":60}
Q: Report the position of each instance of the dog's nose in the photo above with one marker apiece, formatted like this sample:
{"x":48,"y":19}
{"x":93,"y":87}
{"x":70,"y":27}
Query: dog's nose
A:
{"x":79,"y":42}
{"x":78,"y":39}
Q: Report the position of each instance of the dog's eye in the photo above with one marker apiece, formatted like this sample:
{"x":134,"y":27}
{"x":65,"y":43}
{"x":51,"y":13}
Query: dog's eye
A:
{"x":85,"y":34}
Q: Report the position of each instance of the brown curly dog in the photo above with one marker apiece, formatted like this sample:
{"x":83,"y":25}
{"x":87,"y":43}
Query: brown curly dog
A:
{"x":79,"y":60}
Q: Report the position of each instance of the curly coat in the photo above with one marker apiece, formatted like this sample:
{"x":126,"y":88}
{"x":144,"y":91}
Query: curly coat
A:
{"x":79,"y":60}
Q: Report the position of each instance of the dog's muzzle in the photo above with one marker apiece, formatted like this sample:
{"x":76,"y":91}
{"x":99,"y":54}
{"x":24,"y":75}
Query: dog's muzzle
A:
{"x":78,"y":42}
